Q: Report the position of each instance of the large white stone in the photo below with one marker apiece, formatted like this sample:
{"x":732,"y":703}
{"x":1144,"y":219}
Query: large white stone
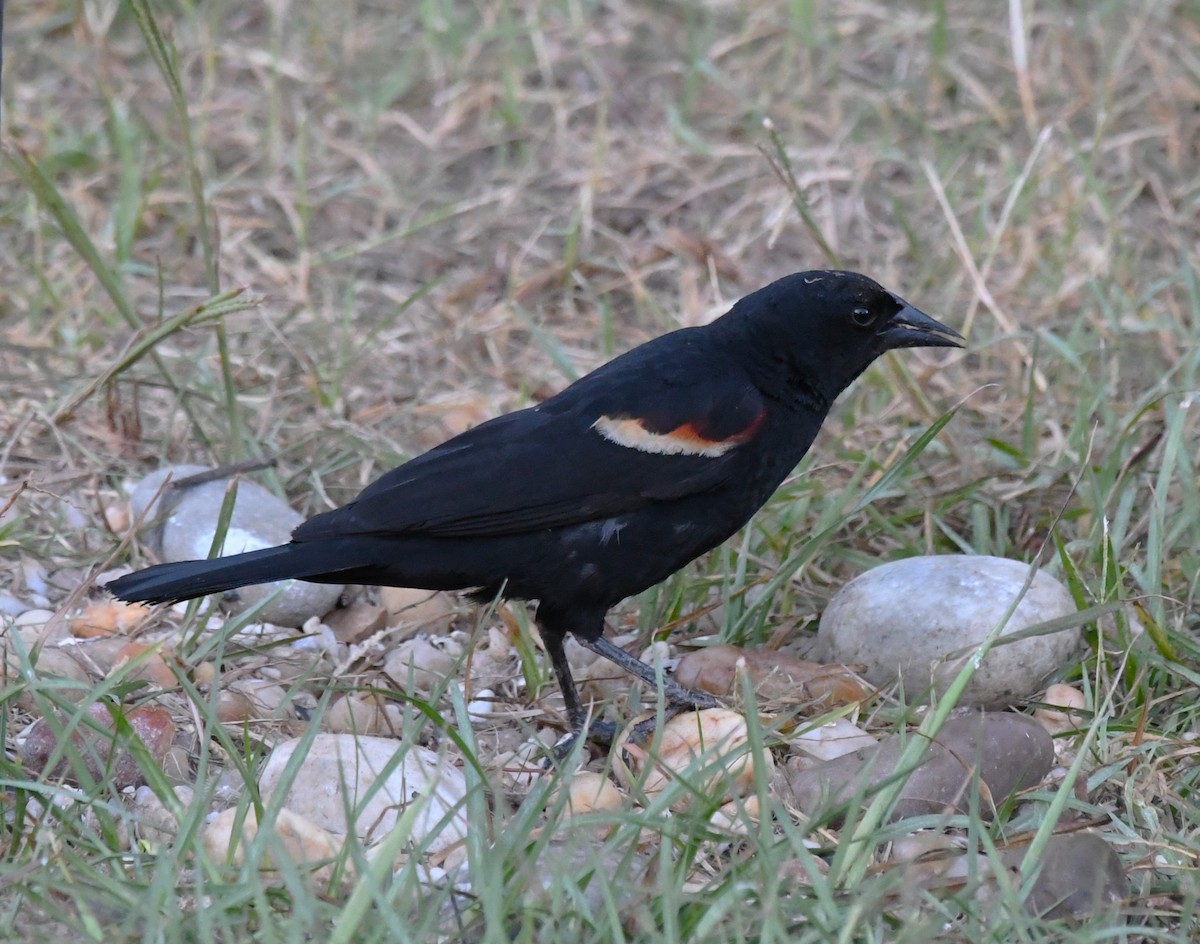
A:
{"x":340,"y":770}
{"x":917,"y":620}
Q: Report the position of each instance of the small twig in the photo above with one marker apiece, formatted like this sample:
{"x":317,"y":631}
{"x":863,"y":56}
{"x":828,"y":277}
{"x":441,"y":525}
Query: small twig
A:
{"x":223,"y":472}
{"x":12,"y":499}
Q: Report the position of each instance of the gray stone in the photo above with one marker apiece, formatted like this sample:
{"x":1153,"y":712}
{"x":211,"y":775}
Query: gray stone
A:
{"x":1004,"y":751}
{"x":150,"y":500}
{"x":918,"y":620}
{"x":1079,"y":877}
{"x":183,"y":522}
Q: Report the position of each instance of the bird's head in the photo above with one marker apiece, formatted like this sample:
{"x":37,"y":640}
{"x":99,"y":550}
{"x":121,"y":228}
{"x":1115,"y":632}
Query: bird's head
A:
{"x":823,"y":328}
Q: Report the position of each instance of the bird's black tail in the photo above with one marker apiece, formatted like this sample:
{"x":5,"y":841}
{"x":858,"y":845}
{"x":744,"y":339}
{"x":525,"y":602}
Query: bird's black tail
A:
{"x":168,"y":583}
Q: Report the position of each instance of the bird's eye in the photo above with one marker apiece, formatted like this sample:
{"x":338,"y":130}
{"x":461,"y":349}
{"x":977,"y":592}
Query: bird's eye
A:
{"x":862,"y":317}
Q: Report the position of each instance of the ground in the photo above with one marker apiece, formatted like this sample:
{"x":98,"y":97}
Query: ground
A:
{"x":437,"y":212}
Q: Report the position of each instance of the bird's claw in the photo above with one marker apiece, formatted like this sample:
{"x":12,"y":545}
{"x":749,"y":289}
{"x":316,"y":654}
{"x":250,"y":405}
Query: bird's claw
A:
{"x":601,"y":732}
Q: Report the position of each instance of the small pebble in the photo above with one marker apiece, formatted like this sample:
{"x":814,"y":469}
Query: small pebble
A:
{"x":363,"y":714}
{"x":154,"y":821}
{"x":108,"y":618}
{"x":589,"y":792}
{"x":10,"y":606}
{"x":423,"y":662}
{"x":34,"y":617}
{"x":356,"y":622}
{"x":1065,"y":716}
{"x":711,"y":748}
{"x":482,"y":706}
{"x":832,"y":739}
{"x":60,"y":669}
{"x":137,"y":660}
{"x":737,"y":817}
{"x":116,"y":517}
{"x":301,"y":845}
{"x":421,"y":609}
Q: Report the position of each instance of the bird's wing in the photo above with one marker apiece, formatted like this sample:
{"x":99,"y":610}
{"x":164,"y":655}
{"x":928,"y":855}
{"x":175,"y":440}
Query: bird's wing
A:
{"x":615,"y":441}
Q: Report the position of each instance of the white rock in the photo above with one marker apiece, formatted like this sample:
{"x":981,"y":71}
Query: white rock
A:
{"x":918,"y":620}
{"x":36,"y":617}
{"x":522,"y":768}
{"x":736,"y":817}
{"x":340,"y":768}
{"x":10,"y":606}
{"x":184,"y":522}
{"x":151,"y":491}
{"x":424,"y":662}
{"x":155,"y":822}
{"x":833,"y":739}
{"x":35,"y":578}
{"x":483,"y":705}
{"x":299,"y":844}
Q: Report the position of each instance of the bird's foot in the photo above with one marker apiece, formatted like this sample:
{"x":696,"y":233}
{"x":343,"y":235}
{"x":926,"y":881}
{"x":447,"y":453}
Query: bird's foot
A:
{"x":677,"y":698}
{"x":642,"y":732}
{"x":682,"y":699}
{"x":605,"y":733}
{"x":602,"y":732}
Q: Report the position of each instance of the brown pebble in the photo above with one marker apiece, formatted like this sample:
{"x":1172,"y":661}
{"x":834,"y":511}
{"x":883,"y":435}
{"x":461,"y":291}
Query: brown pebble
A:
{"x":774,"y":676}
{"x":1079,"y":877}
{"x":420,"y":608}
{"x":95,"y":755}
{"x":108,"y":618}
{"x":151,"y":667}
{"x":116,"y":516}
{"x":204,"y":675}
{"x":234,"y":707}
{"x":357,"y":621}
{"x":177,"y":765}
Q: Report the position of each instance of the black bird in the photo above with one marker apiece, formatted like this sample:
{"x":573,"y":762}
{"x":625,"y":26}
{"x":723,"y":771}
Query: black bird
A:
{"x":607,"y":488}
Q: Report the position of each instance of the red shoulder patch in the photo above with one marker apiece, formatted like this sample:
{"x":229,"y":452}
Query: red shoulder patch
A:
{"x":687,"y":439}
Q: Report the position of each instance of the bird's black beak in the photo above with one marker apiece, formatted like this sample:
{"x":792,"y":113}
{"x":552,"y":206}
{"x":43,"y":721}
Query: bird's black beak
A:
{"x":912,"y":328}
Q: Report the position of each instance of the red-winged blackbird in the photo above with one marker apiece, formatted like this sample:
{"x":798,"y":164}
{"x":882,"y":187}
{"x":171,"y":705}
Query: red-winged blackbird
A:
{"x":607,"y":488}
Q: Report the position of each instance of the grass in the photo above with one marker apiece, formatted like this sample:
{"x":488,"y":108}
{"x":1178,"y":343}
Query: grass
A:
{"x":448,"y":210}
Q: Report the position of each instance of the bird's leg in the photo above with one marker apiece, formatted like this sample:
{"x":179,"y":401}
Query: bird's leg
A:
{"x":577,"y":716}
{"x":677,"y":696}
